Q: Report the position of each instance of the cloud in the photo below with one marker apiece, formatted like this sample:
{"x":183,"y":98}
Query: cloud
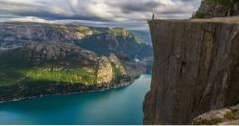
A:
{"x":123,"y":11}
{"x":118,"y":10}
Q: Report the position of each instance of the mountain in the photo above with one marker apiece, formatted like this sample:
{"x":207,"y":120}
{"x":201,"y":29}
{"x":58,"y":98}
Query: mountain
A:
{"x":16,"y":34}
{"x":142,"y":36}
{"x":57,"y":66}
{"x":103,"y":41}
{"x":119,"y":41}
{"x":41,"y":59}
{"x":59,"y":59}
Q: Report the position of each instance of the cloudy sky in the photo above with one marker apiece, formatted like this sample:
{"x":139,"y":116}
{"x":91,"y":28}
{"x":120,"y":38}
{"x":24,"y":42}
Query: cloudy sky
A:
{"x":96,"y":12}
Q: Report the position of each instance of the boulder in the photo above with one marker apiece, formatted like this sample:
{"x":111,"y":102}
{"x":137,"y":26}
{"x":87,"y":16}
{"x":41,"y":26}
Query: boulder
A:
{"x":225,"y":116}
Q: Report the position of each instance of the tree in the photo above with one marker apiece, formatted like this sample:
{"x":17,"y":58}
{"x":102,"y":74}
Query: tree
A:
{"x":227,"y":3}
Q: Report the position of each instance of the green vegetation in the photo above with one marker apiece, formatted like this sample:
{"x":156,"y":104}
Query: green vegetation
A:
{"x":9,"y":70}
{"x":84,"y":30}
{"x":200,"y":15}
{"x":227,"y":3}
{"x":10,"y":77}
{"x":46,"y":62}
{"x":72,"y":76}
{"x":119,"y":32}
{"x":62,"y":29}
{"x":227,"y":8}
{"x":116,"y":71}
{"x":13,"y":71}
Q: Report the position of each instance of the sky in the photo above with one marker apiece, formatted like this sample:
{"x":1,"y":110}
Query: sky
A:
{"x":120,"y":13}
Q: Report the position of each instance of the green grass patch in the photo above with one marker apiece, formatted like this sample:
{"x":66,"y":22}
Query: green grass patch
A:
{"x":71,"y":76}
{"x":116,"y":71}
{"x":11,"y":76}
{"x":15,"y":71}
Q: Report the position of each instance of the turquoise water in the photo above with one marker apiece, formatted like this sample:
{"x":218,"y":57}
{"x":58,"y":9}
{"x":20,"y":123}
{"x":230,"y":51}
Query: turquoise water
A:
{"x":117,"y":106}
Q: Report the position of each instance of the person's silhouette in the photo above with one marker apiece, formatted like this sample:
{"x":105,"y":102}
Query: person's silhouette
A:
{"x":153,"y":16}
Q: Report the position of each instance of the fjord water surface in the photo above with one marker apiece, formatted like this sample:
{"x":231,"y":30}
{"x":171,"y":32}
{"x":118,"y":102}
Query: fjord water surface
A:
{"x":116,"y":106}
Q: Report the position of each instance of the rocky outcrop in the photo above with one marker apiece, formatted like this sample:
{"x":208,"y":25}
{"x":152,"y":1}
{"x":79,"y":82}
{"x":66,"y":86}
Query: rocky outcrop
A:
{"x":195,"y":69}
{"x":225,"y":116}
{"x":209,"y":9}
{"x":109,"y":69}
{"x":104,"y":71}
{"x":117,"y":64}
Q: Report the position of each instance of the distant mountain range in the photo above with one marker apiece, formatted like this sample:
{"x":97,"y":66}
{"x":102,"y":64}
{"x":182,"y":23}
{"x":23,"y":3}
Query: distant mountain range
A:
{"x":142,"y":36}
{"x":65,"y":55}
{"x":101,"y":40}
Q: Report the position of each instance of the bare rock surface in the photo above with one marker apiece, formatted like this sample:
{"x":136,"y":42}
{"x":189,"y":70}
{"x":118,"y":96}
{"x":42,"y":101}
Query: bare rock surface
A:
{"x":225,"y":116}
{"x":118,"y":65}
{"x":104,"y":71}
{"x":196,"y":69}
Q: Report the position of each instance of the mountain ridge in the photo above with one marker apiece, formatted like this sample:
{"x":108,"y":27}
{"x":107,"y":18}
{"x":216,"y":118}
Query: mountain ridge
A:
{"x":52,"y":55}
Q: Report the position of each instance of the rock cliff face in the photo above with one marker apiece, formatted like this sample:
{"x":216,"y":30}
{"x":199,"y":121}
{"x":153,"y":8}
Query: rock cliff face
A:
{"x":104,"y":71}
{"x":117,"y":64}
{"x":196,"y":69}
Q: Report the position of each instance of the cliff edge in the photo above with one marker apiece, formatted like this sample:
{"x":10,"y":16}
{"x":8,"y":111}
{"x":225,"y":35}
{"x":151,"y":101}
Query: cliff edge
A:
{"x":196,"y":69}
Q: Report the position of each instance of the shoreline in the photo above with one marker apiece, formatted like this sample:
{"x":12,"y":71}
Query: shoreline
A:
{"x":81,"y":89}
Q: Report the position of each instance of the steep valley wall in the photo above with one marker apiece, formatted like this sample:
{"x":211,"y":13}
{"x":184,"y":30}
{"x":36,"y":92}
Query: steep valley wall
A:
{"x":196,"y":69}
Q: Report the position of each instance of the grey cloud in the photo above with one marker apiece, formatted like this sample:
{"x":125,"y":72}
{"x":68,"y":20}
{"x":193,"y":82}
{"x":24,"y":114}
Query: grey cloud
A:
{"x":137,"y":6}
{"x":41,"y":9}
{"x":99,"y":10}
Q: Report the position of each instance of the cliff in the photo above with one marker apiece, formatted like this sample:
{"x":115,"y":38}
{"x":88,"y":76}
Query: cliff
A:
{"x":195,"y":69}
{"x":104,"y":71}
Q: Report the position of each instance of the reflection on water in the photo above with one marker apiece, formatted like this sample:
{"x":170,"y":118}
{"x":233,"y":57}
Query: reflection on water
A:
{"x":117,"y":106}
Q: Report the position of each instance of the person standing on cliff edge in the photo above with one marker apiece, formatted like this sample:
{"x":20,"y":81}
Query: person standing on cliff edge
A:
{"x":153,"y":16}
